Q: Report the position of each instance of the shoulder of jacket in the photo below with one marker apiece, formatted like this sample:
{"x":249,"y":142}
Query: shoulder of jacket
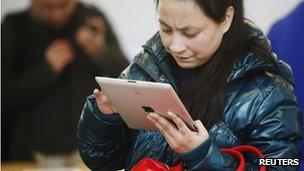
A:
{"x":143,"y":67}
{"x":16,"y":18}
{"x":251,"y":95}
{"x":267,"y":81}
{"x":132,"y":71}
{"x":261,"y":85}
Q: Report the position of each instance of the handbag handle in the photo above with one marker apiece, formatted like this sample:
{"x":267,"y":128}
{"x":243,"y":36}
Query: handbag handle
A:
{"x":149,"y":164}
{"x":238,"y":150}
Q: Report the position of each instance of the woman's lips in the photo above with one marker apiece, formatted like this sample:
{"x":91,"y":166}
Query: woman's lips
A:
{"x":183,"y":59}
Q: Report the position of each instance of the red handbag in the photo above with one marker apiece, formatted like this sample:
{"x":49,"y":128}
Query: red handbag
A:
{"x":148,"y":164}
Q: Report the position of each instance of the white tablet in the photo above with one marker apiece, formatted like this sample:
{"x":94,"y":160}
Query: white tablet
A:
{"x":134,"y":99}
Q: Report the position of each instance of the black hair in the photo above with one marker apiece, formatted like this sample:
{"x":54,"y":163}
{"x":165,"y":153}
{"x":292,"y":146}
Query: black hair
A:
{"x":206,"y":98}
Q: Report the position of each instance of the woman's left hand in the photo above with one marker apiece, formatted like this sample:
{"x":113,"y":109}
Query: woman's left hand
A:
{"x":180,"y":138}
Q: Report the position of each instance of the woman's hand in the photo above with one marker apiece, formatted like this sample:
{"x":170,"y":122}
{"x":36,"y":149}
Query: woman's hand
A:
{"x":180,"y":138}
{"x":104,"y":104}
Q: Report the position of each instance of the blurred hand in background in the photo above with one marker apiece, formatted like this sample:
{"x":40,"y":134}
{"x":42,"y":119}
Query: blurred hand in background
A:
{"x":91,"y":36}
{"x":59,"y":54}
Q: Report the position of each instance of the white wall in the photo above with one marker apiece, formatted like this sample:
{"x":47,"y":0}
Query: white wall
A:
{"x":134,"y":21}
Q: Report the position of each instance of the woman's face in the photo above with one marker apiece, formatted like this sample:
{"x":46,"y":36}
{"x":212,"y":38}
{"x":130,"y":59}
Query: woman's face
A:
{"x":187,"y":33}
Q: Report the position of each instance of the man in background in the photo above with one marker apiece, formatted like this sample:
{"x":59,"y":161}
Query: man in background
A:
{"x":51,"y":53}
{"x":287,"y":40}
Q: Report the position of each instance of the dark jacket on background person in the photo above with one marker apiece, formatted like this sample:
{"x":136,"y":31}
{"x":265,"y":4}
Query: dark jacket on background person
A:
{"x":40,"y":109}
{"x":261,"y":110}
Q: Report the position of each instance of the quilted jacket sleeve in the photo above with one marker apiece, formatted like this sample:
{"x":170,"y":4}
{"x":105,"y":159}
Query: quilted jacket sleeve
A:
{"x":102,"y":139}
{"x":276,"y":130}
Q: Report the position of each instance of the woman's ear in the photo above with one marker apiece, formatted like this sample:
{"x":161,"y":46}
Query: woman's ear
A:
{"x":228,"y":19}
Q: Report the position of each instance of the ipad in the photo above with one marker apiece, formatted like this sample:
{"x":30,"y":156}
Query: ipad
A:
{"x":134,"y":99}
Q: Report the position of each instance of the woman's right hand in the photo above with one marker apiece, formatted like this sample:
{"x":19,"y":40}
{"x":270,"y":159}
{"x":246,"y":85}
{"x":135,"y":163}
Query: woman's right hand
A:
{"x":104,"y":104}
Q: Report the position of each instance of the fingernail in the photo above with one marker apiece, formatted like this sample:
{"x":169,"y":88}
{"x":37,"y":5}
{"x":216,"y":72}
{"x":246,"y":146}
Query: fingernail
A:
{"x":152,"y":114}
{"x":170,"y":113}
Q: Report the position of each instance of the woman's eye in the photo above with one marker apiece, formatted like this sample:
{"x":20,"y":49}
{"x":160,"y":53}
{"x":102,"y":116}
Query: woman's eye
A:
{"x":167,"y":31}
{"x":190,"y":35}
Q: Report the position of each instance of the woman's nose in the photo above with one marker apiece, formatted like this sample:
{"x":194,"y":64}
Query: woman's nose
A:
{"x":177,"y":45}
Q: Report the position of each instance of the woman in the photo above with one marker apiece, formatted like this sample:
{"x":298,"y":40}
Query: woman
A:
{"x":226,"y":75}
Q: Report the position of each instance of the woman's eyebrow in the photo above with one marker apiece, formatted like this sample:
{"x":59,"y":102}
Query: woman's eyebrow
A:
{"x":186,"y":28}
{"x":163,"y":23}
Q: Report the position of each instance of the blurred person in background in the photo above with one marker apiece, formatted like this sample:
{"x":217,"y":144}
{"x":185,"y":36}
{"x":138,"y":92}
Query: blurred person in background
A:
{"x":287,"y":41}
{"x":51,"y":53}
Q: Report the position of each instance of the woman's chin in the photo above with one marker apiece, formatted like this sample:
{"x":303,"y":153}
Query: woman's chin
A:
{"x":186,"y":65}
